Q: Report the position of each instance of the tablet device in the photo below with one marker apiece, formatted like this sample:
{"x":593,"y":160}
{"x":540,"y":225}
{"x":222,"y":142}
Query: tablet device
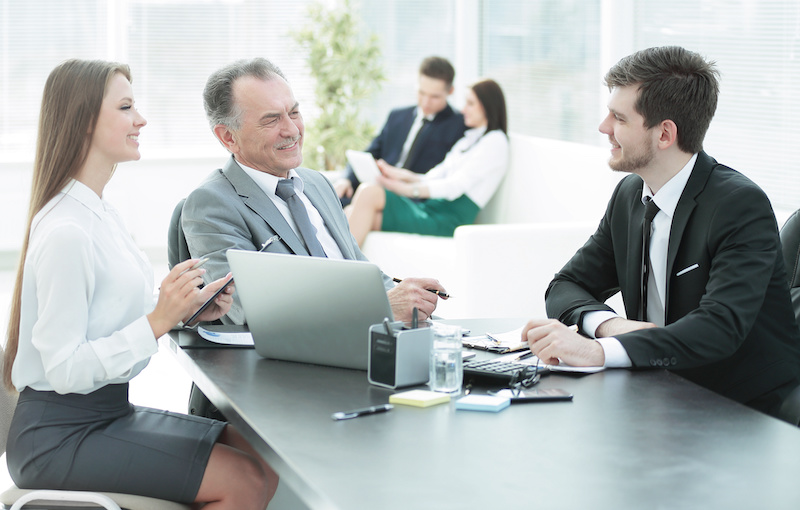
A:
{"x":205,"y":305}
{"x":364,"y":166}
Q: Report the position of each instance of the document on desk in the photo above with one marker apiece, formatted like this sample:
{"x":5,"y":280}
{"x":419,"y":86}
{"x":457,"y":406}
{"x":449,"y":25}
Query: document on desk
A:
{"x":533,"y":360}
{"x":501,"y":343}
{"x":230,"y":335}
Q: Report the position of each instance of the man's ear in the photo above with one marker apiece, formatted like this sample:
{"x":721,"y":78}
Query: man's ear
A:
{"x":668,"y":134}
{"x":225,"y":137}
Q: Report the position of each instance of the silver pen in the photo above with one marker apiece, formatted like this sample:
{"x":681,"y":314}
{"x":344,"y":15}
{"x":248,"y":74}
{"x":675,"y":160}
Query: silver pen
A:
{"x":269,"y":241}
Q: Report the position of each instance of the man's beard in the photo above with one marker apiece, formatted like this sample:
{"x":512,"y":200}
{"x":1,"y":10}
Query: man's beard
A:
{"x":630,"y":163}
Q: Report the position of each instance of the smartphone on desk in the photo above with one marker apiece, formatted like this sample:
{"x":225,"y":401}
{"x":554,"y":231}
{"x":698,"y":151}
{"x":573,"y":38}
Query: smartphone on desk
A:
{"x":532,"y":395}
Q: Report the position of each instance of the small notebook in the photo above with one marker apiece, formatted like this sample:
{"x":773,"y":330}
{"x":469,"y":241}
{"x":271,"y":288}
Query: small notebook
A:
{"x":490,"y":403}
{"x":419,"y":398}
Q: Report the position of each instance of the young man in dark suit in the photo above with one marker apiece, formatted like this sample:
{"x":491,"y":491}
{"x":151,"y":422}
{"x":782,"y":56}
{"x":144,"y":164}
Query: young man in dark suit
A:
{"x":416,"y":137}
{"x":710,"y":300}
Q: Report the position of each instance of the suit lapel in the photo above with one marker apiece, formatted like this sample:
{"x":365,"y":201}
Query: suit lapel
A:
{"x":683,"y":211}
{"x":258,"y":202}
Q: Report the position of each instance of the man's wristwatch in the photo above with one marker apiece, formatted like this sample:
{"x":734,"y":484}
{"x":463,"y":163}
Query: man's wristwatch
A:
{"x":415,"y":191}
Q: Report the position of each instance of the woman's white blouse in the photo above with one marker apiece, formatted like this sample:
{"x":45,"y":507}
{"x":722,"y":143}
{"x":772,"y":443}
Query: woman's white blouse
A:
{"x":475,"y":166}
{"x":86,"y":291}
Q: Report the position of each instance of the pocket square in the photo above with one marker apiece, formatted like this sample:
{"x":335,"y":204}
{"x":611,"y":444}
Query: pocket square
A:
{"x":690,"y":268}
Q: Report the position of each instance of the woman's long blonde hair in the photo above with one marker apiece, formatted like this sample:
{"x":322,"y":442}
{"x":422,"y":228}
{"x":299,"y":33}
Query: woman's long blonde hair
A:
{"x":71,"y":104}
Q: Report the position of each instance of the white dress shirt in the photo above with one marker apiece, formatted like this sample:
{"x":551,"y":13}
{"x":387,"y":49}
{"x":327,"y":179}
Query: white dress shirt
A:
{"x":667,"y":200}
{"x":86,"y":290}
{"x":269,"y":183}
{"x":474,"y":167}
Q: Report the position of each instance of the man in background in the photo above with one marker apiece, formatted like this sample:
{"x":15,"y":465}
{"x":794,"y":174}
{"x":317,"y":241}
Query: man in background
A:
{"x":692,"y":245}
{"x":416,"y":137}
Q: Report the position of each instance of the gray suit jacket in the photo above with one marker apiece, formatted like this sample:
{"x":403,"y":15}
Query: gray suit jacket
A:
{"x":229,"y":210}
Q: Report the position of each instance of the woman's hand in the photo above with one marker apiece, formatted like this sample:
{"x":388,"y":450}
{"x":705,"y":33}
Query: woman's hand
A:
{"x":178,"y":293}
{"x":395,"y":173}
{"x":221,"y":305}
{"x":397,"y":187}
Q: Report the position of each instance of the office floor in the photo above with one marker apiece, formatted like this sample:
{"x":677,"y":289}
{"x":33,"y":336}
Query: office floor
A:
{"x":163,"y":385}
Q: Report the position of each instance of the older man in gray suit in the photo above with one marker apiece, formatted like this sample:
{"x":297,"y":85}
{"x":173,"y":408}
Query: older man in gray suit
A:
{"x":254,"y":114}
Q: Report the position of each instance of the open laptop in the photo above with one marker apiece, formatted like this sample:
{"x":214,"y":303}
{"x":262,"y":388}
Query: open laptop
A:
{"x":310,"y":309}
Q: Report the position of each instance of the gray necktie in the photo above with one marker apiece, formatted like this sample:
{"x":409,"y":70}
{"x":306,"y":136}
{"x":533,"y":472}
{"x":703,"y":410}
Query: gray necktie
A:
{"x":285,"y":190}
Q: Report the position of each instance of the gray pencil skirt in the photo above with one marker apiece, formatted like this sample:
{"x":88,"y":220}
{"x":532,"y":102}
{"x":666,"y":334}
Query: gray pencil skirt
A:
{"x":100,"y":442}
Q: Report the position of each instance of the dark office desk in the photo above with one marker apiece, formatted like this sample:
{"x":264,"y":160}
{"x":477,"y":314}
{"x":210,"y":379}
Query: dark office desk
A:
{"x":629,"y":439}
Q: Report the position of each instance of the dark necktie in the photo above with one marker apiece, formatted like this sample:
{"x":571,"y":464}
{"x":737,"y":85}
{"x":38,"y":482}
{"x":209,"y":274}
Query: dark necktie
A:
{"x":650,"y":211}
{"x":415,"y":144}
{"x":285,"y":191}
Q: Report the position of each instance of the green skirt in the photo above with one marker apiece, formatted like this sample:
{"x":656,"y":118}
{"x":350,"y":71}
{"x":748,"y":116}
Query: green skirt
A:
{"x":434,"y":217}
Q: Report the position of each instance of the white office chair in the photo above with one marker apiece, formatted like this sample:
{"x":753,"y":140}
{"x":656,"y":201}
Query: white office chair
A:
{"x":16,"y":499}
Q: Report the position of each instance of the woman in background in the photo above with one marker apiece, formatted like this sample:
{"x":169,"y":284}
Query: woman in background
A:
{"x":83,"y":323}
{"x":451,"y":193}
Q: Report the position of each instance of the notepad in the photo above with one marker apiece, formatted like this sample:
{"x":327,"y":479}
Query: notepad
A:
{"x":419,"y":398}
{"x":226,"y":334}
{"x":510,"y":341}
{"x":490,"y":403}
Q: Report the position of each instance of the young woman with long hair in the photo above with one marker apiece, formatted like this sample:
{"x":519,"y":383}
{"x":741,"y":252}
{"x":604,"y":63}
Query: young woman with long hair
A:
{"x":83,"y":322}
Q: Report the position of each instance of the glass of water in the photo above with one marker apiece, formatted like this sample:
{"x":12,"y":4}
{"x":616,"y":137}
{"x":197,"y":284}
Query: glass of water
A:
{"x":446,"y":371}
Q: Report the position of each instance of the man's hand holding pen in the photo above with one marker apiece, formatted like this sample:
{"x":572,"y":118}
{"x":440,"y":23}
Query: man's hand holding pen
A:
{"x":553,"y":341}
{"x":422,"y":293}
{"x":441,"y":294}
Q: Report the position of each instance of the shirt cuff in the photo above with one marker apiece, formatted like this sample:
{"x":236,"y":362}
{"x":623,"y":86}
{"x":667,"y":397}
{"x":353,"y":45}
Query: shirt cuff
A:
{"x":436,"y":188}
{"x":615,"y":353}
{"x":592,"y":321}
{"x":143,"y":343}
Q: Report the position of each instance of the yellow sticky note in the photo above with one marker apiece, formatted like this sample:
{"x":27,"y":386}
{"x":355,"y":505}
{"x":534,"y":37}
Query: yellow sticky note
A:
{"x":419,"y":398}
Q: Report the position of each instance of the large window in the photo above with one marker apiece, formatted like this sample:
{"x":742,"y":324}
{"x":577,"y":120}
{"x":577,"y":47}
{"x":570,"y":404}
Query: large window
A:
{"x":546,"y":56}
{"x":171,"y":45}
{"x":756,"y":44}
{"x":549,"y":56}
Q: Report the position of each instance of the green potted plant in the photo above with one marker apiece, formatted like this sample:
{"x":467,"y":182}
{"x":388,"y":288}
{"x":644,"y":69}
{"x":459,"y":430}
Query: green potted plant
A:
{"x":347,"y":67}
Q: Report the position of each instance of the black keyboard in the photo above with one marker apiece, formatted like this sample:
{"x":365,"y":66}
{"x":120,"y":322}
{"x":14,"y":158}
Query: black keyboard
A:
{"x":492,"y":369}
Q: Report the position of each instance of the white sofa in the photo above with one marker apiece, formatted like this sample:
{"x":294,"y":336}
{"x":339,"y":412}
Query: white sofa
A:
{"x":547,"y":206}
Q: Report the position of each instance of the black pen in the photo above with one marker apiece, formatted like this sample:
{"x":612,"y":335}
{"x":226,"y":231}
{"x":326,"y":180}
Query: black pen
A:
{"x":437,"y":292}
{"x":524,"y":356}
{"x":362,"y":412}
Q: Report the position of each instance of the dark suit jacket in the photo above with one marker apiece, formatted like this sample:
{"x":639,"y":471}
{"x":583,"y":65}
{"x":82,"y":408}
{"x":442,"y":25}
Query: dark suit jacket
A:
{"x":438,"y":137}
{"x":729,"y":322}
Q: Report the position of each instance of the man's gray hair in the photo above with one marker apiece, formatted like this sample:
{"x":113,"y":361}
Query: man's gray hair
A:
{"x":218,"y":100}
